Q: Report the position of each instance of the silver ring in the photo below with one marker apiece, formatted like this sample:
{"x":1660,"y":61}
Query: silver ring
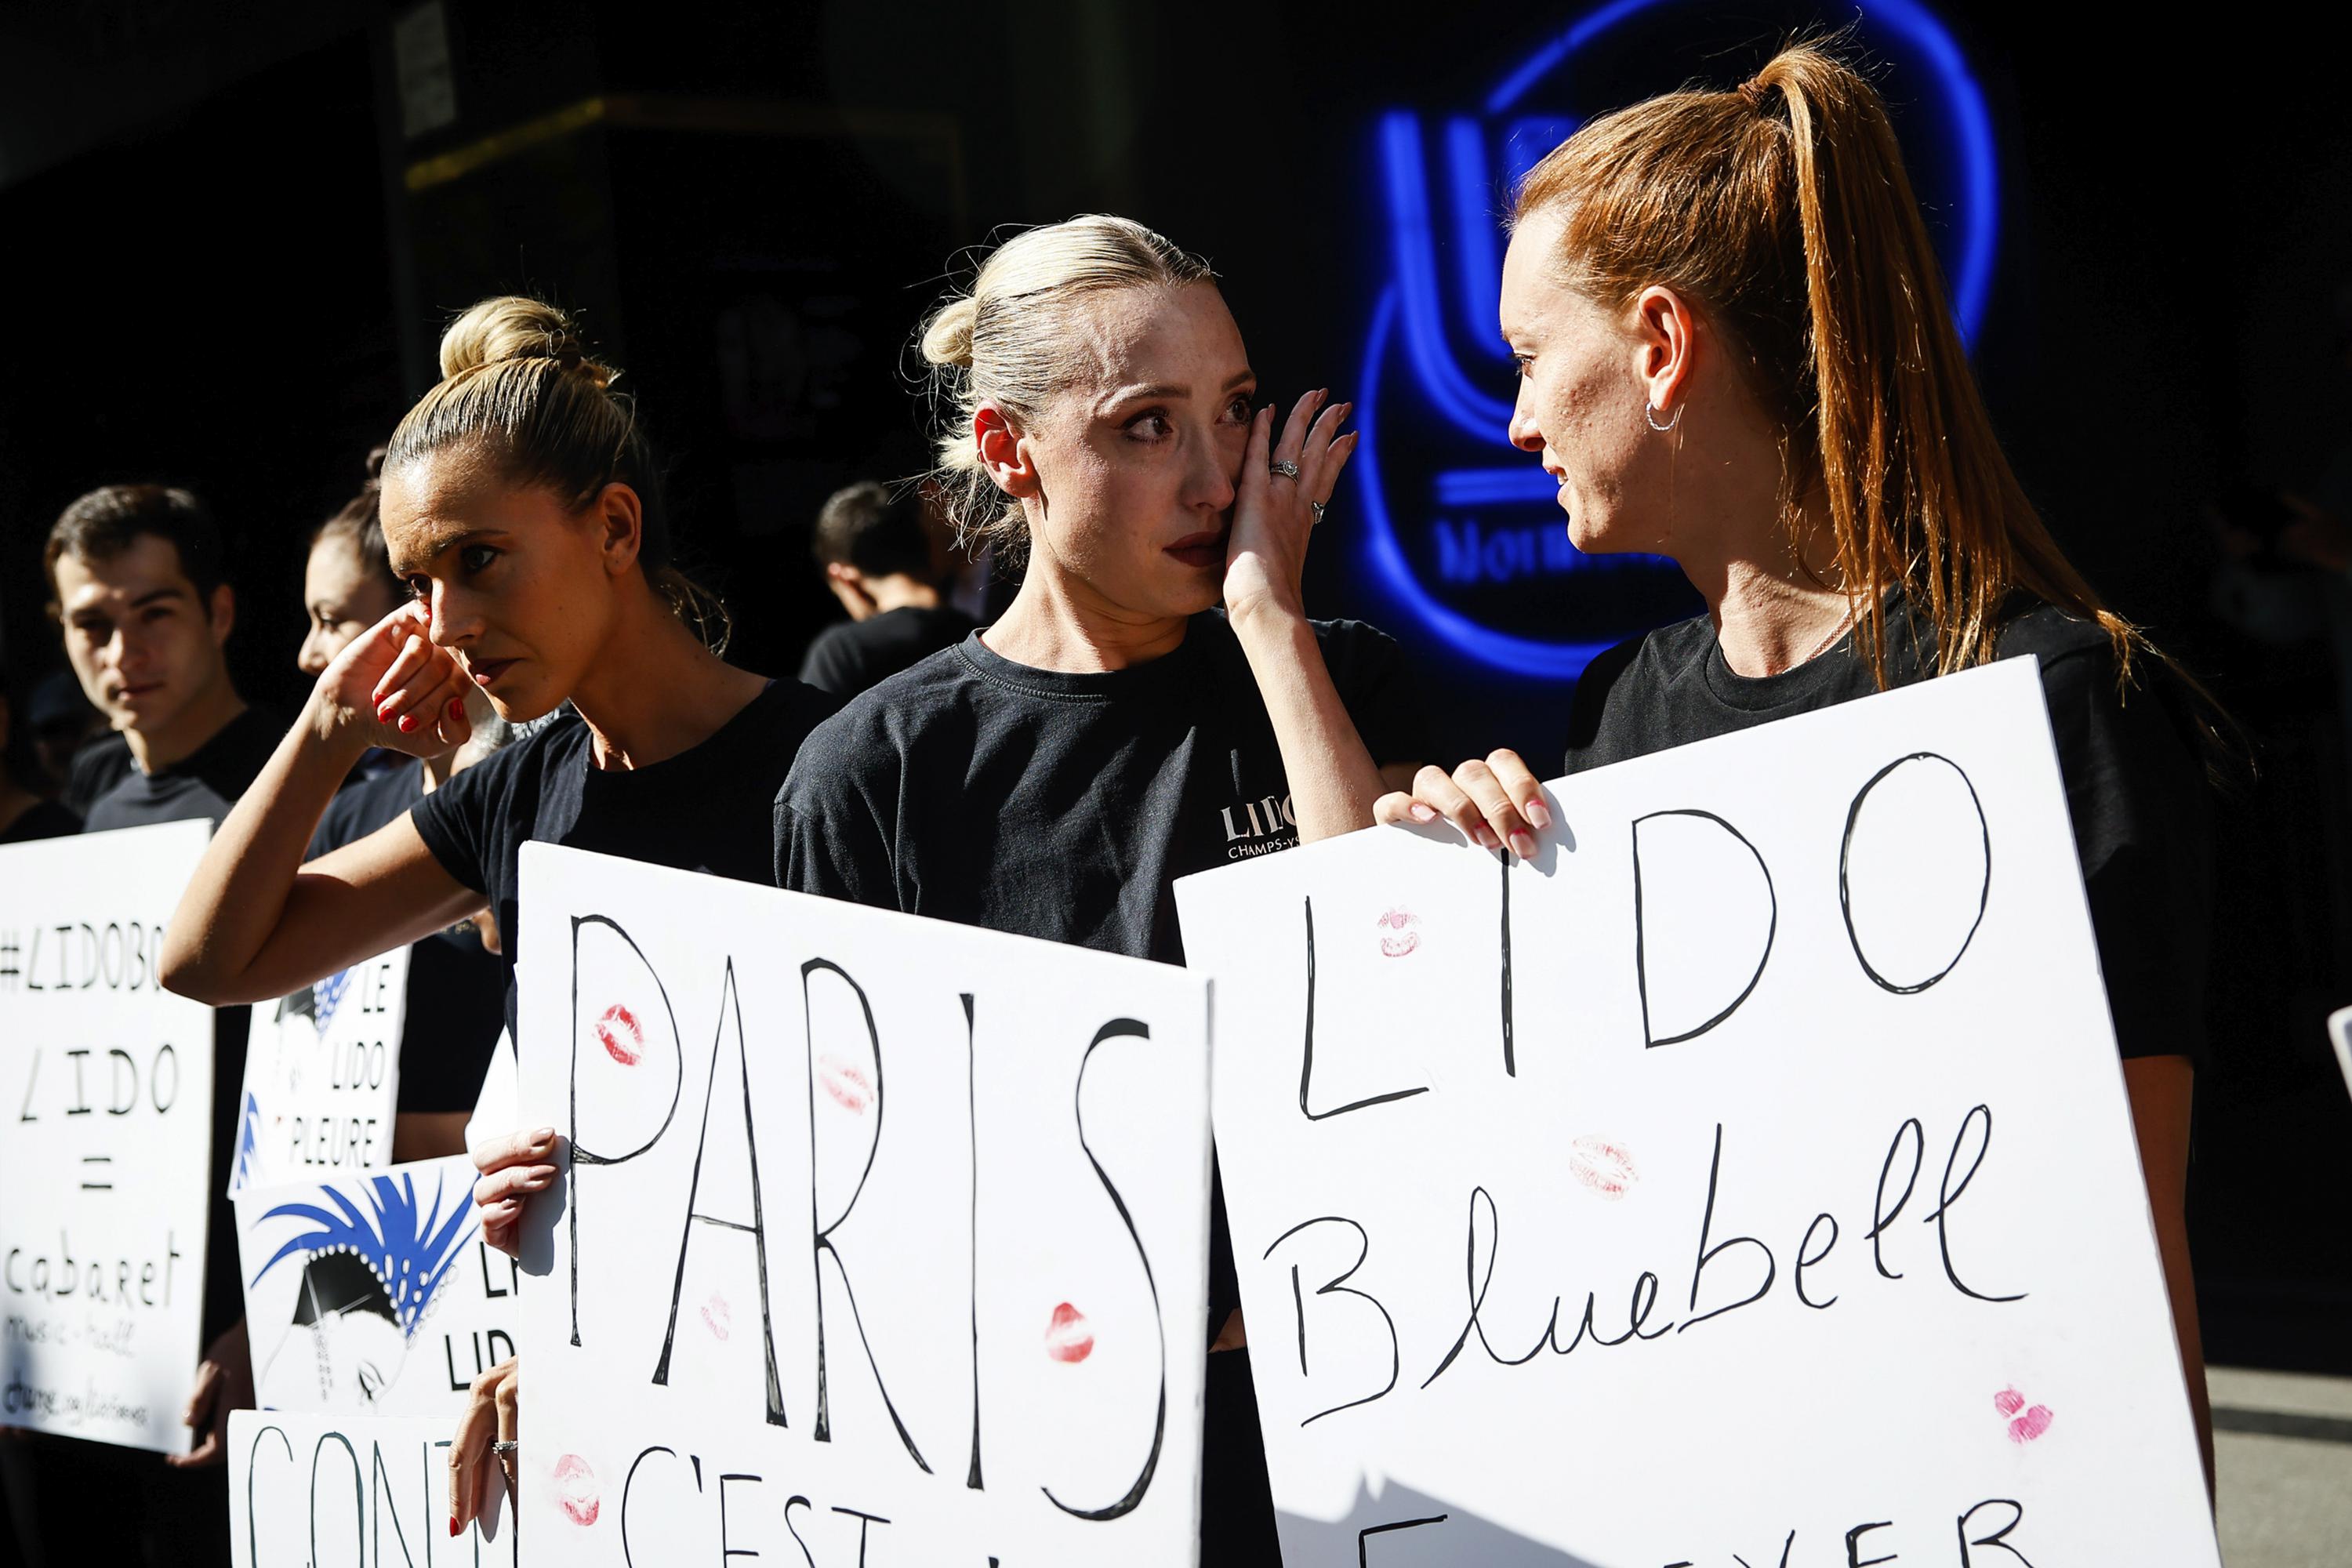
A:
{"x":1319,"y":508}
{"x":1283,"y":466}
{"x":505,"y":1446}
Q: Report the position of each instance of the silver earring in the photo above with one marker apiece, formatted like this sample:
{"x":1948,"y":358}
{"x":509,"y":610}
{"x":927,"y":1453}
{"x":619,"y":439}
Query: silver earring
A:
{"x":1649,"y":413}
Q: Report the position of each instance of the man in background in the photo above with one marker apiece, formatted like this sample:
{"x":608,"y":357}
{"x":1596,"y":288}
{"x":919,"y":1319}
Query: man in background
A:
{"x":876,"y":547}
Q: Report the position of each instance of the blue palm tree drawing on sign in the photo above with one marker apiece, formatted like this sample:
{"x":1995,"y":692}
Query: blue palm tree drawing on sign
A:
{"x":369,"y":1276}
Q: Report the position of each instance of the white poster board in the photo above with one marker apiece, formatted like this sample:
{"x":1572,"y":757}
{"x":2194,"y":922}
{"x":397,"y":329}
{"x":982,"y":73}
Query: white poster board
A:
{"x":764,"y":1317}
{"x":373,"y":1294}
{"x":106,"y":1085}
{"x":323,"y":1077}
{"x":342,"y":1491}
{"x":1746,"y":1178}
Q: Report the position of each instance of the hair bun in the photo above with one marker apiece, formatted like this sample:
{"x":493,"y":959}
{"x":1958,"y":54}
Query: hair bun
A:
{"x":374,"y":465}
{"x":513,"y":327}
{"x":948,"y":340}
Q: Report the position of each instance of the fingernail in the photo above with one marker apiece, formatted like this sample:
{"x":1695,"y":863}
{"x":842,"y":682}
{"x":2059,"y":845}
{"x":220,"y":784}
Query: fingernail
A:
{"x":1539,"y":816}
{"x":382,"y":712}
{"x":407,"y":723}
{"x":1523,"y":845}
{"x":453,"y":1526}
{"x":544,"y":1135}
{"x":1485,"y":838}
{"x":1424,"y":813}
{"x":457,"y":708}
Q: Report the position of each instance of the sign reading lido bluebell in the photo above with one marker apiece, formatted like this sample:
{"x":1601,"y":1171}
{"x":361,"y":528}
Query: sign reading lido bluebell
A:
{"x":1464,"y":530}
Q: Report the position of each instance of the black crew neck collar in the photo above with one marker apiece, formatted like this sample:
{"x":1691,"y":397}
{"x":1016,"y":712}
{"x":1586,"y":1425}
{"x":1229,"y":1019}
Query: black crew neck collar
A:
{"x":1082,"y":686}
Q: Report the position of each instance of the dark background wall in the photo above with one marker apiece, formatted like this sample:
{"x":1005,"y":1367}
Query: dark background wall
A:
{"x":227,"y":258}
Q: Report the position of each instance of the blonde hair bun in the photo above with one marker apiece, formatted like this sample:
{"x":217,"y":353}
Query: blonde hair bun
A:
{"x":947,"y":340}
{"x":512,"y":327}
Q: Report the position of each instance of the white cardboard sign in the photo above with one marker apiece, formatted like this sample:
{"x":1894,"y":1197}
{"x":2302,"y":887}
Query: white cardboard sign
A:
{"x":342,"y":1491}
{"x":374,"y":1293}
{"x":1746,"y":1178}
{"x":767,"y":1317}
{"x":105,"y":1139}
{"x":323,"y":1077}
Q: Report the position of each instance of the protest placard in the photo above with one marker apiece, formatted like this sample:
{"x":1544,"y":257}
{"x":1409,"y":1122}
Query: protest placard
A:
{"x":323,"y":1077}
{"x":105,"y":1139}
{"x":1746,"y":1178}
{"x":764,"y":1316}
{"x":374,"y":1293}
{"x":340,"y":1491}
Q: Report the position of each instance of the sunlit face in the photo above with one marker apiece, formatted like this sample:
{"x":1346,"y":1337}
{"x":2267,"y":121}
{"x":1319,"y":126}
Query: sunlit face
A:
{"x":522,"y":590}
{"x":1581,"y":398}
{"x":145,"y":644}
{"x":344,"y":596}
{"x":1138,"y":455}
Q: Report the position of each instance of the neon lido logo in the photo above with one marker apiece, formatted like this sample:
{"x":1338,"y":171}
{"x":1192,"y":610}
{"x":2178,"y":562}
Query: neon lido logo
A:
{"x":1466,"y":532}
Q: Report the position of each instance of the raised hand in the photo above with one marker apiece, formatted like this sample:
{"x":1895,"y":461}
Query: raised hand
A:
{"x":396,"y":689}
{"x":1274,"y":513}
{"x":1495,"y":801}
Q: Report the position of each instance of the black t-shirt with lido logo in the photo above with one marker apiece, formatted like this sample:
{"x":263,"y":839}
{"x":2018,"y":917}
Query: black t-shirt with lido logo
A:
{"x":2135,"y":788}
{"x":1062,"y":805}
{"x":710,"y":808}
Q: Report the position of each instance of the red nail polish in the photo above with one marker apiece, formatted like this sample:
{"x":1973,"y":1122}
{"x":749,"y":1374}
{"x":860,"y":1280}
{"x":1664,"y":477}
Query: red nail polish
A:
{"x":453,"y":1526}
{"x":407,"y":723}
{"x":457,"y":708}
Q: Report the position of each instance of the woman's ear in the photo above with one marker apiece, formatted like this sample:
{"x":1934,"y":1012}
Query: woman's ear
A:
{"x":620,"y":519}
{"x":1665,"y":332}
{"x":1003,"y":452}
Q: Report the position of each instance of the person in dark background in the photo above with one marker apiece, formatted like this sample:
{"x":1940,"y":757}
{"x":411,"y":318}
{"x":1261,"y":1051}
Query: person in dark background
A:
{"x":1845,"y":511}
{"x":1154,"y":687}
{"x":139,"y":586}
{"x":24,"y":814}
{"x":877,"y":552}
{"x":455,"y":997}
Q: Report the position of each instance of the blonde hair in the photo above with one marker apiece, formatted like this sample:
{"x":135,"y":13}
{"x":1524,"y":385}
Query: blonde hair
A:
{"x":1005,"y":341}
{"x":1783,"y":209}
{"x":516,"y":380}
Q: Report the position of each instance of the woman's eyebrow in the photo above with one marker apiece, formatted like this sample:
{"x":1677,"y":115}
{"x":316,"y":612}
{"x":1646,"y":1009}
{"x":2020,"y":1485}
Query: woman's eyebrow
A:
{"x":405,"y":562}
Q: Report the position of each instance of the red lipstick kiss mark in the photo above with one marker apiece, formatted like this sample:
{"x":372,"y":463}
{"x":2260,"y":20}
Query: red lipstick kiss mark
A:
{"x":576,"y":1489}
{"x":845,"y":1081}
{"x":1398,"y":938}
{"x":716,"y":1316}
{"x":618,"y":1033}
{"x":2026,"y":1428}
{"x":1601,"y":1165}
{"x":1068,"y":1338}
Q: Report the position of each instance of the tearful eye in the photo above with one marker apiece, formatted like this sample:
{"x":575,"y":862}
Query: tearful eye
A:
{"x":417,"y":587}
{"x":1150,"y":427}
{"x":477,"y":557}
{"x":1238,"y":410}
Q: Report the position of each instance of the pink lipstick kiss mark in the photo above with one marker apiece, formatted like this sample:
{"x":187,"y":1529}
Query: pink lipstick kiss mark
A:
{"x":618,"y":1033}
{"x":1603,"y":1166}
{"x":716,"y":1316}
{"x":575,"y":1486}
{"x":845,"y":1081}
{"x":1398,"y":937}
{"x":2026,"y":1428}
{"x":1067,"y":1337}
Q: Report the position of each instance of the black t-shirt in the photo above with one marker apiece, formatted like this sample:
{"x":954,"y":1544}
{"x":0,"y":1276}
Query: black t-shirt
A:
{"x":845,"y":659}
{"x":2134,"y":785}
{"x":205,"y":783}
{"x":1064,"y":806}
{"x":710,"y":808}
{"x":42,"y":820}
{"x":98,"y":766}
{"x":457,"y":987}
{"x":203,"y":786}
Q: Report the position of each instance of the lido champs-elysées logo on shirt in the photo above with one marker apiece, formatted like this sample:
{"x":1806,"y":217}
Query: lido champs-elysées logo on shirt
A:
{"x":1259,"y":827}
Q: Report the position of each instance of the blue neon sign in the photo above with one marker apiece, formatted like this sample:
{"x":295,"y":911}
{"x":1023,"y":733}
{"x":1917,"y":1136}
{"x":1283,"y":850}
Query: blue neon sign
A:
{"x":1485,"y":518}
